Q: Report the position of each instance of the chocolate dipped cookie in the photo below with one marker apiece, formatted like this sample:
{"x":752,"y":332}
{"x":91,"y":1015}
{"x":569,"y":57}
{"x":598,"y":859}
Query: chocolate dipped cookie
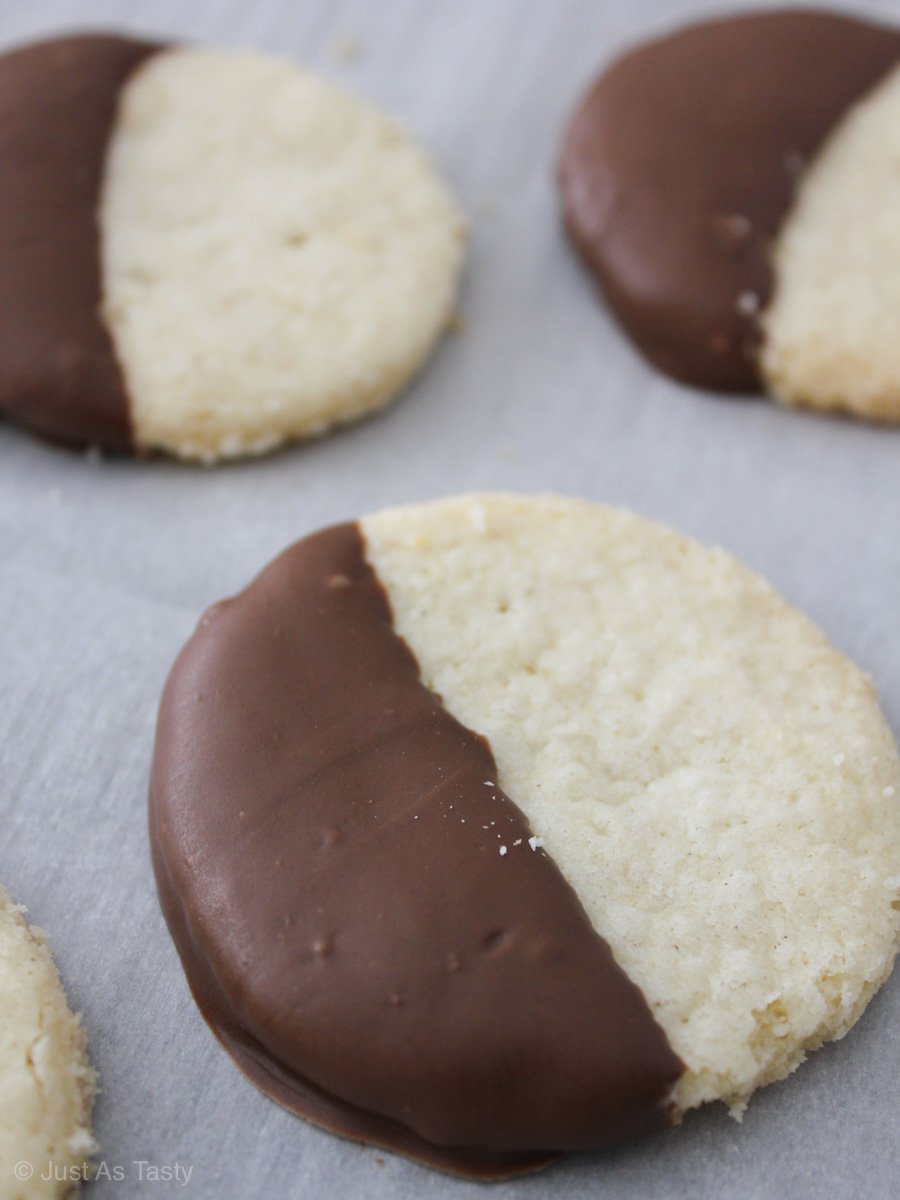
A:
{"x":502,"y":827}
{"x":207,"y":252}
{"x":732,"y":187}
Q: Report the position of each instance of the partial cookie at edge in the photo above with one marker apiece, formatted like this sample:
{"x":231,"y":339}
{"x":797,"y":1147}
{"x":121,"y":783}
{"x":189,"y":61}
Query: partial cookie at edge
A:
{"x":680,"y":166}
{"x":46,"y":1082}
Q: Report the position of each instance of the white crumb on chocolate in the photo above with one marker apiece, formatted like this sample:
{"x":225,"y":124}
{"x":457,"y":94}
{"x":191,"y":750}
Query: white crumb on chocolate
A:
{"x":748,"y":304}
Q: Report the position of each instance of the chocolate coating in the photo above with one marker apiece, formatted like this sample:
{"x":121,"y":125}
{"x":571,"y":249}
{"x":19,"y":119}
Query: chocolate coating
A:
{"x":681,"y":163}
{"x":59,"y":375}
{"x":327,"y":851}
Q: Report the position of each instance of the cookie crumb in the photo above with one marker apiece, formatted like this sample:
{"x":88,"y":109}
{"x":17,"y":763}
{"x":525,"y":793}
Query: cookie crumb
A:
{"x":748,"y":304}
{"x":478,"y":517}
{"x":345,"y":48}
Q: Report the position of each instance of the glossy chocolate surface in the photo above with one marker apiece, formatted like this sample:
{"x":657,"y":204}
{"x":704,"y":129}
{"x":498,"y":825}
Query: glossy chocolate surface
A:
{"x":59,"y":375}
{"x":359,"y":911}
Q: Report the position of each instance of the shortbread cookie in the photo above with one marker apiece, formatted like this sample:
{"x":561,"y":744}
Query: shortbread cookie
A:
{"x":207,"y":252}
{"x":46,"y":1083}
{"x":501,"y":827}
{"x":732,"y":188}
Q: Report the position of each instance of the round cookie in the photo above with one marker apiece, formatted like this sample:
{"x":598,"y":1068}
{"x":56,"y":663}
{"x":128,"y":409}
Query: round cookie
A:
{"x":294,"y":280}
{"x":680,"y":174}
{"x":505,"y":826}
{"x":46,"y":1083}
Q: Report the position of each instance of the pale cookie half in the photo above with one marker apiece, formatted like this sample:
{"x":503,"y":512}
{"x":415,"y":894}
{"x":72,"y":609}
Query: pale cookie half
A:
{"x":714,"y":779}
{"x":208,"y":252}
{"x":833,"y":328}
{"x":46,"y":1082}
{"x":279,"y":257}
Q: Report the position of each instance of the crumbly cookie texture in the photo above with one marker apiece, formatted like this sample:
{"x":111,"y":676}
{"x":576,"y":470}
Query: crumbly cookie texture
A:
{"x":713,"y":778}
{"x":832,"y":333}
{"x":278,"y":256}
{"x":46,"y":1082}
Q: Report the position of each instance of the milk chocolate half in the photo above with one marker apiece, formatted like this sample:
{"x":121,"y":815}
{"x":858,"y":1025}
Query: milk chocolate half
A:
{"x":59,"y":375}
{"x":681,"y":163}
{"x":359,"y":911}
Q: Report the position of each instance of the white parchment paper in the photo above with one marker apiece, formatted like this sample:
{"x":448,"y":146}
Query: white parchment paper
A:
{"x":105,"y":567}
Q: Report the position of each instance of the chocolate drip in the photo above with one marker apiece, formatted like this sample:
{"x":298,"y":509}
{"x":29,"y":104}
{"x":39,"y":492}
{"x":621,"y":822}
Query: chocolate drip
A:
{"x":357,"y":907}
{"x":58,"y":370}
{"x":680,"y":165}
